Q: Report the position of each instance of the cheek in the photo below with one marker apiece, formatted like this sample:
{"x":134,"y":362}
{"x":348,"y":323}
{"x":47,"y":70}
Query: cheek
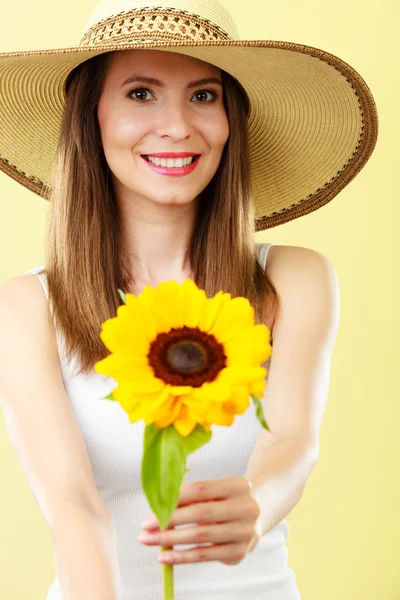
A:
{"x":226,"y":132}
{"x":220,"y":131}
{"x":120,"y":128}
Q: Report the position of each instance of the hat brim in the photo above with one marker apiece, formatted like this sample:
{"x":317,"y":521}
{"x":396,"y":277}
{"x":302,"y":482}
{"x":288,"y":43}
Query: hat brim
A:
{"x":313,"y":122}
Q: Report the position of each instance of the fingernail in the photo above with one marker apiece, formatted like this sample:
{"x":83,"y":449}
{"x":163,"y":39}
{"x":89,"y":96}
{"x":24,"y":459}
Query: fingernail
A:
{"x":149,"y":523}
{"x":166,"y":557}
{"x":149,"y":537}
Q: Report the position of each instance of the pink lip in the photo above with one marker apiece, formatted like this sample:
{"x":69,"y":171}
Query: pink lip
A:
{"x":172,"y":154}
{"x":173,"y":171}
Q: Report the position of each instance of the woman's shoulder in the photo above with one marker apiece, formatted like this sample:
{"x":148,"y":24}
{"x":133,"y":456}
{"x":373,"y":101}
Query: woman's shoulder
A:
{"x":299,"y":273}
{"x":27,"y":289}
{"x":282,"y":260}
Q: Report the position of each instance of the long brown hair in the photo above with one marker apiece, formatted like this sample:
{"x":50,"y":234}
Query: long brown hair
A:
{"x":84,"y":259}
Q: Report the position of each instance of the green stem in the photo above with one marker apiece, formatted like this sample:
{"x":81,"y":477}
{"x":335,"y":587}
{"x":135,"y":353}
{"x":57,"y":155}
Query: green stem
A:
{"x":168,"y":577}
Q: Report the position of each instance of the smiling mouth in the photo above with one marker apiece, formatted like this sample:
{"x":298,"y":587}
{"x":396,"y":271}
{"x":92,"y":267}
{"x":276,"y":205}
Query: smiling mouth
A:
{"x":178,"y":162}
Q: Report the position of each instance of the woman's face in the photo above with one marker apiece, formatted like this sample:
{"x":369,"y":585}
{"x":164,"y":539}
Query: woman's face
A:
{"x":173,"y":115}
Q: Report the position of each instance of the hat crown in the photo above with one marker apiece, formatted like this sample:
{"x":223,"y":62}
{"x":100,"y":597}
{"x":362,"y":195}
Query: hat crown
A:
{"x":127,"y":21}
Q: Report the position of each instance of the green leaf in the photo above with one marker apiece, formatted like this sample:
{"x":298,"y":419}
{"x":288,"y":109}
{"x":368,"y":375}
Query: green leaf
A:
{"x":260,"y":413}
{"x":164,"y":466}
{"x":123,"y":295}
{"x":109,"y":397}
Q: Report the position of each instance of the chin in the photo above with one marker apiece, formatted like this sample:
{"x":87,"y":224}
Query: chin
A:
{"x":173,"y":199}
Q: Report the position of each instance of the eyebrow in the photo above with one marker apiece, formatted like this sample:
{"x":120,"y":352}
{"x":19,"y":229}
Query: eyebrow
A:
{"x":154,"y":81}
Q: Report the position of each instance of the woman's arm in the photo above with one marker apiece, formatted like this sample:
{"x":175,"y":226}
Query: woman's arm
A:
{"x":86,"y":555}
{"x":298,"y":380}
{"x":49,"y":445}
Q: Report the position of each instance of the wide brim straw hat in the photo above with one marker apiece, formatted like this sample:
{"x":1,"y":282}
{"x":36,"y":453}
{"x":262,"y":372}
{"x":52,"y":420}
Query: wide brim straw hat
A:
{"x":312,"y":123}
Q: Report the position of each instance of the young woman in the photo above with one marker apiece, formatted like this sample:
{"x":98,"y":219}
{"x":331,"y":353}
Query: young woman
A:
{"x":163,"y":144}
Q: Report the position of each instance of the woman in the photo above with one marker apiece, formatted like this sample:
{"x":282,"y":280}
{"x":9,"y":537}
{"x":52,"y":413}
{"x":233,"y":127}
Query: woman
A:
{"x":243,"y":115}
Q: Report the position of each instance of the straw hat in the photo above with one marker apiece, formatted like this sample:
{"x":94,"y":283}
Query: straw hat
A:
{"x":312,"y":124}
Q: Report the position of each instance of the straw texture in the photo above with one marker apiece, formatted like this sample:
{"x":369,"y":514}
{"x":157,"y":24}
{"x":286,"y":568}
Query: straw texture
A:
{"x":312,"y":124}
{"x":210,"y":12}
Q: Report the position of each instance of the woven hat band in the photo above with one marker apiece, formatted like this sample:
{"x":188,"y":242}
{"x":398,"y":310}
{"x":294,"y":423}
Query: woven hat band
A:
{"x":153,"y":24}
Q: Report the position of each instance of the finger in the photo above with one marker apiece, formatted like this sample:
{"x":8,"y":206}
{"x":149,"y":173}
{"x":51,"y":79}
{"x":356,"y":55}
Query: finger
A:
{"x":202,"y":491}
{"x":228,"y":533}
{"x":232,"y":509}
{"x":204,"y":510}
{"x":230,"y":554}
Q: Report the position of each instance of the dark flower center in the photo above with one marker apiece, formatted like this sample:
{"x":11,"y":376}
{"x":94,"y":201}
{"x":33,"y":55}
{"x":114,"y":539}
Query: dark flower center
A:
{"x":186,"y":356}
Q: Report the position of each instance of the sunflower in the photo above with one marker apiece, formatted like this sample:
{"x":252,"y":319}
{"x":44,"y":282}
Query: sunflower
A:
{"x":182,"y":359}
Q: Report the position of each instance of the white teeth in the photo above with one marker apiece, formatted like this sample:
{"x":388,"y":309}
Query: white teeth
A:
{"x":171,"y":162}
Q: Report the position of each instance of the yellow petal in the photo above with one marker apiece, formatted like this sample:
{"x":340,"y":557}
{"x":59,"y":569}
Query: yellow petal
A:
{"x":257,"y":388}
{"x":120,"y":336}
{"x":169,"y":413}
{"x":123,"y":394}
{"x":156,"y":406}
{"x":136,"y":316}
{"x":241,"y":398}
{"x":197,"y":406}
{"x":235,"y":315}
{"x":167,"y":304}
{"x":242,"y":374}
{"x":139,"y":315}
{"x":151,"y":404}
{"x":215,"y":391}
{"x":238,"y":353}
{"x":226,"y":419}
{"x":149,"y":301}
{"x":144,"y":386}
{"x":185,"y":424}
{"x":219,"y":416}
{"x":124,"y":366}
{"x":250,"y":346}
{"x":140,"y":408}
{"x":229,"y":407}
{"x":211,"y":310}
{"x":193,"y":301}
{"x":179,"y":390}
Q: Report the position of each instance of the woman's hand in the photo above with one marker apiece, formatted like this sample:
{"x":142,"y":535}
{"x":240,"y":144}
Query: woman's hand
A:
{"x":225,"y":512}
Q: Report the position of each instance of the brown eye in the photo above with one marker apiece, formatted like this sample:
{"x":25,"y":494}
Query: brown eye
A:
{"x":202,"y":95}
{"x":138,"y":94}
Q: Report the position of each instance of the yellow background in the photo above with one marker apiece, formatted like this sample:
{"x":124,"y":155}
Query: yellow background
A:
{"x":344,"y":533}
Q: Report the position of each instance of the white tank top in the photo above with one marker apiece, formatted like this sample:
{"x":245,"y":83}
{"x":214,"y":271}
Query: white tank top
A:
{"x":115,"y":448}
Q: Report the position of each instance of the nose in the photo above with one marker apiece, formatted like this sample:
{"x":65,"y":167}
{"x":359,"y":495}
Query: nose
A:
{"x":175,"y":121}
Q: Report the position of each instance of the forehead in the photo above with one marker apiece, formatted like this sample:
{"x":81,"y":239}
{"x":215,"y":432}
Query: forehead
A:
{"x":132,"y":62}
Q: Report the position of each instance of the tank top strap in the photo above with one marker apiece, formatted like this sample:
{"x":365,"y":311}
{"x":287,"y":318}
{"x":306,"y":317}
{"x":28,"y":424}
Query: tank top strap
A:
{"x":40,"y":272}
{"x":42,"y":276}
{"x":262,"y":250}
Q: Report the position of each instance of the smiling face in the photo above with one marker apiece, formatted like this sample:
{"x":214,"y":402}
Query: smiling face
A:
{"x":173,"y":115}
